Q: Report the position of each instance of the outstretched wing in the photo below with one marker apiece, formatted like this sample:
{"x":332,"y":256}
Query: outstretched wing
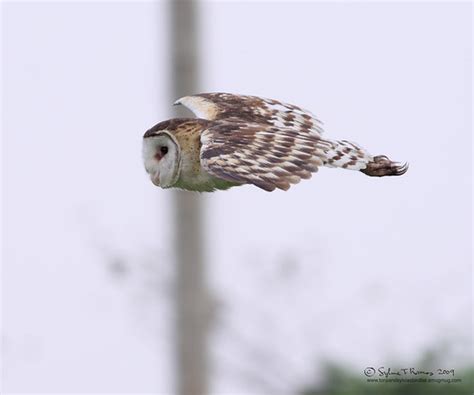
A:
{"x":252,"y":109}
{"x":261,"y":154}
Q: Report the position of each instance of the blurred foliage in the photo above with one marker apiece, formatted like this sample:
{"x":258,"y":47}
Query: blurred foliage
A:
{"x":339,"y":380}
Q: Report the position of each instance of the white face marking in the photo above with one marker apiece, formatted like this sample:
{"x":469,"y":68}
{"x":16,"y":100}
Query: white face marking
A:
{"x":161,"y":157}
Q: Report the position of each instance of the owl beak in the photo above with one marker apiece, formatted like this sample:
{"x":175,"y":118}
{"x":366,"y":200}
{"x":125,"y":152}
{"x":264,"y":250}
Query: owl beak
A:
{"x":155,"y":179}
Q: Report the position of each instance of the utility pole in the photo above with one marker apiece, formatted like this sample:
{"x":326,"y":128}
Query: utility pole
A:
{"x":191,"y":294}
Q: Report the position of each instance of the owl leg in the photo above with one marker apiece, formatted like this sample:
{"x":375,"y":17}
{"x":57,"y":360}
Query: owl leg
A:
{"x":348,"y":155}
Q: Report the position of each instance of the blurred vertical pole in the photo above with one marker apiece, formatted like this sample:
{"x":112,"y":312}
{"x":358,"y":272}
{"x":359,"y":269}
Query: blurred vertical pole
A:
{"x":191,"y":296}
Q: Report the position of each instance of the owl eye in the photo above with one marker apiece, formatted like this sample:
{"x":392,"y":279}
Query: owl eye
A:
{"x":164,"y":150}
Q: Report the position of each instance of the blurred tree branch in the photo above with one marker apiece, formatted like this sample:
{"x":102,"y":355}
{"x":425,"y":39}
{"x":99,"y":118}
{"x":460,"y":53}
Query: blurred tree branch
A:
{"x":191,"y":294}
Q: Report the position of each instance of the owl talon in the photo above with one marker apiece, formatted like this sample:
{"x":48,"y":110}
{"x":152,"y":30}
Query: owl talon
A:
{"x":382,"y":166}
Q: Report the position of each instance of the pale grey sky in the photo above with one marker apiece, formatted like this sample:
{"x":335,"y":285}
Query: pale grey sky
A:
{"x":343,"y":267}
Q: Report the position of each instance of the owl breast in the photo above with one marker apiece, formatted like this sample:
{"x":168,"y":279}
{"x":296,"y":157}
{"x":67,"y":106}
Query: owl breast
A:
{"x":192,"y":176}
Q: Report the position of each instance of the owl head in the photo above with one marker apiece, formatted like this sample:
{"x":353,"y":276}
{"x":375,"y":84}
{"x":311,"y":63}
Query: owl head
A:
{"x":161,"y":156}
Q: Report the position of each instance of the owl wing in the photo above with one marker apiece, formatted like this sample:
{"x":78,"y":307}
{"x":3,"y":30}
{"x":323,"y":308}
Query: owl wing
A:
{"x":261,"y":154}
{"x":252,"y":109}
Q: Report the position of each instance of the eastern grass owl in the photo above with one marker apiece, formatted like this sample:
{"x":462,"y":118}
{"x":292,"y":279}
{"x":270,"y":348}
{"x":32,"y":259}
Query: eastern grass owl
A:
{"x":239,"y":140}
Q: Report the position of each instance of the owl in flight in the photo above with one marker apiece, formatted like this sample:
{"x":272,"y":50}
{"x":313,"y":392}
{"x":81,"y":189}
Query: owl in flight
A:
{"x":237,"y":140}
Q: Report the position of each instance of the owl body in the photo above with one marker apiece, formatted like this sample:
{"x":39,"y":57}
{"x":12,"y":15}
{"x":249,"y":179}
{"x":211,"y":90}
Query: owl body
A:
{"x":239,"y":140}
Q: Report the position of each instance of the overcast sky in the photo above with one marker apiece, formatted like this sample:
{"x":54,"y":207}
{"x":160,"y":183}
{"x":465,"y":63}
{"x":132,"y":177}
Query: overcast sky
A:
{"x":343,"y":267}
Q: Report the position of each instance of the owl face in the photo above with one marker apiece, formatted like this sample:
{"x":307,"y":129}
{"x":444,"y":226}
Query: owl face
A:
{"x":162,"y":158}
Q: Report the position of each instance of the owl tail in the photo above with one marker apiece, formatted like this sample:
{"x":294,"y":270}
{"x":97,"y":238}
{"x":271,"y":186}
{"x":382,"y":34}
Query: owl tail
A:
{"x":348,"y":155}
